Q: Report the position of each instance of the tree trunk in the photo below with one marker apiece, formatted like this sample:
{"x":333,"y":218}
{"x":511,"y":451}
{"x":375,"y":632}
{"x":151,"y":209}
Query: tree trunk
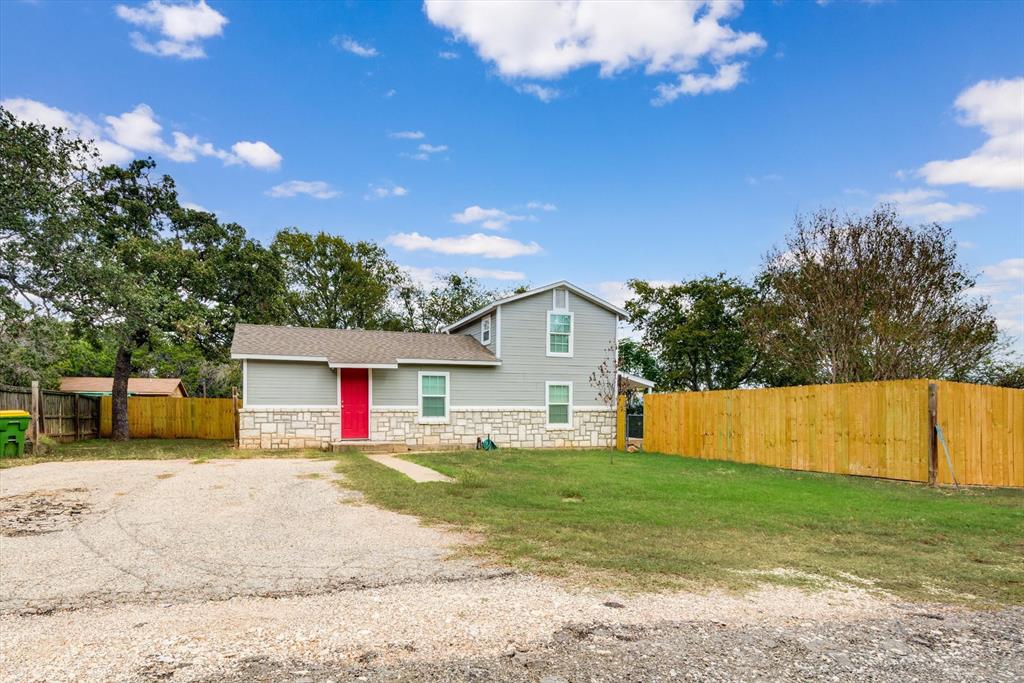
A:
{"x":119,"y":395}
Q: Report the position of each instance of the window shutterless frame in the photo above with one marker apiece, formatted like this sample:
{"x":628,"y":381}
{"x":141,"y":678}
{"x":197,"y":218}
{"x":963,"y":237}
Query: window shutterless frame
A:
{"x":485,"y":331}
{"x":559,"y":342}
{"x":558,"y":404}
{"x":437,"y":386}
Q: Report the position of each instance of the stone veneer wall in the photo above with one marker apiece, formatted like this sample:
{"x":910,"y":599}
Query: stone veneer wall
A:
{"x":508,"y":428}
{"x":284,"y":428}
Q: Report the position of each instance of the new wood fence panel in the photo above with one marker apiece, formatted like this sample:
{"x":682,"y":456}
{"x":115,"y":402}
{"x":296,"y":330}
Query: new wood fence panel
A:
{"x":162,"y":417}
{"x":877,"y":429}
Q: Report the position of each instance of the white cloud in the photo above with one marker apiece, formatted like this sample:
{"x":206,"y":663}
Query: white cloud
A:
{"x":433,"y":149}
{"x":139,"y":132}
{"x":541,"y":206}
{"x":182,"y":25}
{"x":542,"y":92}
{"x":618,"y":292}
{"x":477,"y":244}
{"x":79,"y":125}
{"x":385,"y":190}
{"x":390,"y":93}
{"x":1003,"y":284}
{"x":257,"y":154}
{"x":549,"y":39}
{"x":448,"y":54}
{"x":317,"y":189}
{"x":925,"y":204}
{"x":492,"y":219}
{"x":492,"y":274}
{"x":408,"y":135}
{"x":195,"y":207}
{"x":349,"y":44}
{"x":427,"y":277}
{"x":998,"y":108}
{"x":727,"y":77}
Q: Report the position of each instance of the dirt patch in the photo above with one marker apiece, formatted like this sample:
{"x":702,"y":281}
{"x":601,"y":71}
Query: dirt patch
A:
{"x":42,"y":512}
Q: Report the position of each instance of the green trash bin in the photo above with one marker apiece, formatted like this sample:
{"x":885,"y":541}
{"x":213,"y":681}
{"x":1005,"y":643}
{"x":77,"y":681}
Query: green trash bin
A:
{"x":13,"y":424}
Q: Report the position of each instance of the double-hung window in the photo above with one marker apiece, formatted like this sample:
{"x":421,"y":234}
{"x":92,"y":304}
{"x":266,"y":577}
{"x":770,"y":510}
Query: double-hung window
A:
{"x":560,"y":326}
{"x":434,"y":394}
{"x":485,"y":331}
{"x":559,"y":405}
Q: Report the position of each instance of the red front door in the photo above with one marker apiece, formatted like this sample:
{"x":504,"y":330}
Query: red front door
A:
{"x":355,"y":403}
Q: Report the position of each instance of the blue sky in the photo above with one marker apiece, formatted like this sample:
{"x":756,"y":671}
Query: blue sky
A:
{"x":553,"y":141}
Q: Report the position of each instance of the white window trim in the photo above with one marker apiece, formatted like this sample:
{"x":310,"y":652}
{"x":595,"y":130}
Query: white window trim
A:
{"x":485,"y":331}
{"x":547,"y":404}
{"x":554,"y":299}
{"x":447,"y":398}
{"x":572,"y":333}
{"x":497,"y":324}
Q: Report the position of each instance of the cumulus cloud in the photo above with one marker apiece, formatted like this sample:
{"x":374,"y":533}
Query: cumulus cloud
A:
{"x":542,"y":92}
{"x":181,"y":25}
{"x":79,"y":125}
{"x":997,"y":107}
{"x":541,"y":206}
{"x":618,"y":292}
{"x":349,"y":44}
{"x":385,"y":190}
{"x":428,"y":276}
{"x":477,"y":244}
{"x":493,"y":274}
{"x":547,"y":40}
{"x":727,"y":77}
{"x":1003,"y":284}
{"x":492,"y":219}
{"x":139,"y":132}
{"x":425,"y":151}
{"x":317,"y":189}
{"x":927,"y":206}
{"x":408,"y":135}
{"x":257,"y":154}
{"x":448,"y":54}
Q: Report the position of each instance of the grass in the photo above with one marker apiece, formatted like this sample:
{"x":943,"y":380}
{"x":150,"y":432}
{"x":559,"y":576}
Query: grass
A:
{"x":196,"y":450}
{"x":649,"y":521}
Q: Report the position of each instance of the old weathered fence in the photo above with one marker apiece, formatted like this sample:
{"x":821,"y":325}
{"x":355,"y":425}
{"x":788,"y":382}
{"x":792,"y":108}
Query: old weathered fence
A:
{"x":878,"y":429}
{"x":58,"y":414}
{"x":174,"y":418}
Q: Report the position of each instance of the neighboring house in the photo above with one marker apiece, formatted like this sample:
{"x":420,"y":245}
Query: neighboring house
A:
{"x":137,"y":386}
{"x":517,"y":370}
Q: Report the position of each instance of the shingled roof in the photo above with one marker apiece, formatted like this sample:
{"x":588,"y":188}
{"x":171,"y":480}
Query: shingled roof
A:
{"x":356,"y":347}
{"x":142,"y":386}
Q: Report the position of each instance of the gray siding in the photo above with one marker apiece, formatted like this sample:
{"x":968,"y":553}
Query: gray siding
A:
{"x":473,"y":330}
{"x":283,"y":383}
{"x":520,"y":379}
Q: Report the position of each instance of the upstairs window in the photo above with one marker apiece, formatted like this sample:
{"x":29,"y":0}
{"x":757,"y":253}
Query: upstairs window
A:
{"x":485,"y":331}
{"x":560,"y":326}
{"x":434,"y":396}
{"x":560,"y":299}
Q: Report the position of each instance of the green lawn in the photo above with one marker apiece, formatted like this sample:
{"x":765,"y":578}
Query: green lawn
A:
{"x":143,"y":449}
{"x":648,"y":521}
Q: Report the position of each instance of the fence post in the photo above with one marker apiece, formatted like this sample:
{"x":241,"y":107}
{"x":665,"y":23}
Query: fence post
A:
{"x":78,"y":418}
{"x":933,"y":441}
{"x":234,"y":411}
{"x":34,"y":422}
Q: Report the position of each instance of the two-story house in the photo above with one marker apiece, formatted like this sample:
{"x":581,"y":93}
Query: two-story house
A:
{"x":517,"y":370}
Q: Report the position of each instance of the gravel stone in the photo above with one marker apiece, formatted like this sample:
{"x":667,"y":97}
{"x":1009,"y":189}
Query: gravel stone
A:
{"x":252,"y":570}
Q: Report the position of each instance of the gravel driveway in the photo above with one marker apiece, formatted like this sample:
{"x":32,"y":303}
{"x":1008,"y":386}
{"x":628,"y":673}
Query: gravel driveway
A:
{"x":265,"y":570}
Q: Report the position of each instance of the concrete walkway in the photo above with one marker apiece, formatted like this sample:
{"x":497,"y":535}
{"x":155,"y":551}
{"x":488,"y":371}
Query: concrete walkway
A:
{"x":418,"y":473}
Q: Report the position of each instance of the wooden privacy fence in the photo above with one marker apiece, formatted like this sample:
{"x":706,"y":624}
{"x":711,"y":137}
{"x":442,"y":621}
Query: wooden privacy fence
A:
{"x":58,"y":414}
{"x":168,"y":417}
{"x":876,"y":429}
